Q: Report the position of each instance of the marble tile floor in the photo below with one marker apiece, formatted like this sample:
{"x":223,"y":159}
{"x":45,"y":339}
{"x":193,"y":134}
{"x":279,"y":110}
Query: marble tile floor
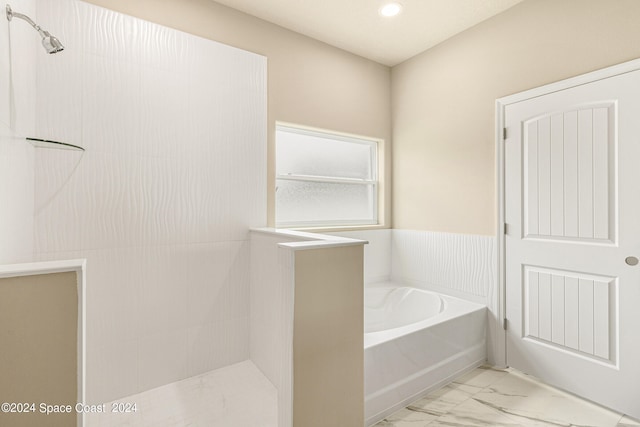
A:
{"x":234,"y":396}
{"x":501,"y":398}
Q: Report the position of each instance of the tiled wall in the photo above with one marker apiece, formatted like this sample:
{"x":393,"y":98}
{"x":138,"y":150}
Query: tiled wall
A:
{"x":19,"y":46}
{"x":460,"y":265}
{"x":271,"y":316}
{"x":160,"y":203}
{"x":377,"y":253}
{"x":271,"y":303}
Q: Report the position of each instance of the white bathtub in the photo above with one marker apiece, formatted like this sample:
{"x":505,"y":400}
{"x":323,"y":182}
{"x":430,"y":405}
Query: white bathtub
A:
{"x":416,"y":341}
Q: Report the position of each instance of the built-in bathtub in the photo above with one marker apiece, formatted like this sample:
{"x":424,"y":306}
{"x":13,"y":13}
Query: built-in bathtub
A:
{"x":416,"y":341}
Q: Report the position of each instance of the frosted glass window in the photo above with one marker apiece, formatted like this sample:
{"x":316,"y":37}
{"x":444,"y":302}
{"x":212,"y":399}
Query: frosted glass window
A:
{"x":324,"y":179}
{"x":322,"y":155}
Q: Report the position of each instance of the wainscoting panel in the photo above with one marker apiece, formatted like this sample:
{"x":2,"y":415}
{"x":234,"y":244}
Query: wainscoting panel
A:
{"x":457,"y":262}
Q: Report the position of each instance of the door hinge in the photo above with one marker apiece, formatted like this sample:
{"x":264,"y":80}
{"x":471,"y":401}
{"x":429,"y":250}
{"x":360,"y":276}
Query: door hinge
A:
{"x":506,"y":228}
{"x":504,"y":134}
{"x":504,"y":323}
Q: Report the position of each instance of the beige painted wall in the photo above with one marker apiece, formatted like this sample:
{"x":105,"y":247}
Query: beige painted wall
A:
{"x":39,"y":336}
{"x":444,"y":100}
{"x":328,"y":337}
{"x":310,"y":83}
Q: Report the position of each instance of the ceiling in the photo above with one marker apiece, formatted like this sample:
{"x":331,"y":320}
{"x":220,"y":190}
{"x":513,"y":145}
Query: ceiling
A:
{"x":357,"y":27}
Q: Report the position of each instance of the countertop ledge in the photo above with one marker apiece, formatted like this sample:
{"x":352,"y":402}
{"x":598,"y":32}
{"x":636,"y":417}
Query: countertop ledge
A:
{"x":309,"y":240}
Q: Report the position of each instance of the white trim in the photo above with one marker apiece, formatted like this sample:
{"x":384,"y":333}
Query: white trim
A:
{"x":605,"y":73}
{"x":309,"y":130}
{"x":315,"y":178}
{"x":498,"y":349}
{"x":51,"y":267}
{"x":332,"y":224}
{"x":46,"y":267}
{"x":341,"y":228}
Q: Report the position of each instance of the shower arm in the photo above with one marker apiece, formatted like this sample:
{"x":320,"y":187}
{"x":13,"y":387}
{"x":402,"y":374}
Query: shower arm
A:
{"x":11,"y":14}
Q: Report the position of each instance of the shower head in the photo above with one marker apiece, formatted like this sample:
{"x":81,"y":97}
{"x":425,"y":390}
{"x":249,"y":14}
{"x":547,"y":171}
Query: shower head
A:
{"x":50,"y":43}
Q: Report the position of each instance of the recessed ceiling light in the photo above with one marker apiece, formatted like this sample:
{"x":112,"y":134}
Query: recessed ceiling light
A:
{"x":390,"y":9}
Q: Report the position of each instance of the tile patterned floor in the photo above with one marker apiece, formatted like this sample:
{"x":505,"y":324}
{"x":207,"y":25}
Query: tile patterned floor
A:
{"x":501,"y":398}
{"x":484,"y":397}
{"x":234,"y":396}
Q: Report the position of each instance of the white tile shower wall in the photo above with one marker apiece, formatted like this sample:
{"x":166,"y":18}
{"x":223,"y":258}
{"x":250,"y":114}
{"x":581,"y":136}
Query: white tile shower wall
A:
{"x":268,"y":297}
{"x":455,"y":264}
{"x":160,"y":203}
{"x":377,"y":254}
{"x":19,"y":61}
{"x":284,"y":386}
{"x":5,"y":75}
{"x":19,"y":46}
{"x":16,"y":198}
{"x":271,"y":315}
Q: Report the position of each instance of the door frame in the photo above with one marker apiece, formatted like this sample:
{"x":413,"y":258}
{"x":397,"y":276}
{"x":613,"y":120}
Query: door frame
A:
{"x":497,"y":350}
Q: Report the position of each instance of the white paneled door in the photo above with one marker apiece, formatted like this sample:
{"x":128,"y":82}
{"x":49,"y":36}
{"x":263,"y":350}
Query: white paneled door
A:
{"x":572,"y":208}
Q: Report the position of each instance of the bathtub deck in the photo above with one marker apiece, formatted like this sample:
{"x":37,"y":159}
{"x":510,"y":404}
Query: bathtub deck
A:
{"x":233,"y":396}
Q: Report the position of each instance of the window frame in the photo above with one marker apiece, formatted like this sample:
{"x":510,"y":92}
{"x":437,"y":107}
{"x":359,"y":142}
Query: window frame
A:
{"x":374,"y":182}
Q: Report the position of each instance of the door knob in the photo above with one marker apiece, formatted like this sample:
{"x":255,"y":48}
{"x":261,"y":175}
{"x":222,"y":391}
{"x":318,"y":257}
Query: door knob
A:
{"x":631,"y":260}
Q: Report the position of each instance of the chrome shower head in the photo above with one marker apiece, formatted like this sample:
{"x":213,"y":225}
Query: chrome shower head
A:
{"x":50,"y":43}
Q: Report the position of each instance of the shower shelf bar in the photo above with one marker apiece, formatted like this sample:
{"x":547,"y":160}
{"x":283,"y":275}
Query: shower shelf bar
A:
{"x":45,"y":143}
